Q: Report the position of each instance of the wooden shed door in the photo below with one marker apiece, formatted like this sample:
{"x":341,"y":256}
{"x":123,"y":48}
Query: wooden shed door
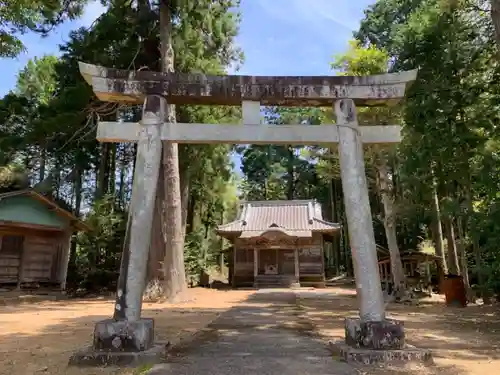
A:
{"x":39,"y":259}
{"x":10,"y":258}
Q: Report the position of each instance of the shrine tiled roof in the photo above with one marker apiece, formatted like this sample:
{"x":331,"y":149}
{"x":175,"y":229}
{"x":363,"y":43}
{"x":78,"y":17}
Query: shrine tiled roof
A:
{"x":298,"y":218}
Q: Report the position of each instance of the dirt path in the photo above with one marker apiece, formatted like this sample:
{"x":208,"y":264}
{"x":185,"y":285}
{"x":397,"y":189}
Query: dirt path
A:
{"x":463,"y":341}
{"x":263,"y":335}
{"x":39,"y":338}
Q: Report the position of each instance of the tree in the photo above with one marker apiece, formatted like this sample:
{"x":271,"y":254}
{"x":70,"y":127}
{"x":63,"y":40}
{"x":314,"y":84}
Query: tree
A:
{"x":494,"y":14}
{"x":216,"y":25}
{"x":280,"y":172}
{"x":37,"y":82}
{"x":170,"y":197}
{"x":20,"y":16}
{"x":446,"y":116}
{"x":84,"y":173}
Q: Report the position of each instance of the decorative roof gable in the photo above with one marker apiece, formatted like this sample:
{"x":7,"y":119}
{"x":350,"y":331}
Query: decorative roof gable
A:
{"x":295,"y":218}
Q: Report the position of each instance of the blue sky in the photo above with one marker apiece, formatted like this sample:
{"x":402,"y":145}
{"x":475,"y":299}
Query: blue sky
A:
{"x":279,"y":37}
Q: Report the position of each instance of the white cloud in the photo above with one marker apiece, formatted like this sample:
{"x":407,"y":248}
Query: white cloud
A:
{"x":321,"y":15}
{"x":92,"y":11}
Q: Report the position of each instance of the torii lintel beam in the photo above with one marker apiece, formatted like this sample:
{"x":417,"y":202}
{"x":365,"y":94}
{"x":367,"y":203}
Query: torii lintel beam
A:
{"x":311,"y":91}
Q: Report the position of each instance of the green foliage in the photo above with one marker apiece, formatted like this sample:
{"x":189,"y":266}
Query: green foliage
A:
{"x":48,"y":123}
{"x":361,"y":61}
{"x":280,"y":172}
{"x":13,"y":177}
{"x":196,"y":254}
{"x":37,"y":81}
{"x":450,"y":116}
{"x":98,"y":251}
{"x":142,"y":370}
{"x":19,"y":16}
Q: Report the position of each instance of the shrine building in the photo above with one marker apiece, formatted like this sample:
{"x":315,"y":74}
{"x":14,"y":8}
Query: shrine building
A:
{"x":278,"y":244}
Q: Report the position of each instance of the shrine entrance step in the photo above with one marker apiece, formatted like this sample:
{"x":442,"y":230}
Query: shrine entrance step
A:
{"x":275,"y":281}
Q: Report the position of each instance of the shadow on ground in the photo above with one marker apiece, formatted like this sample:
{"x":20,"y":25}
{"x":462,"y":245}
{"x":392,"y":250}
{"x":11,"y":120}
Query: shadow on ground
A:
{"x":265,"y":334}
{"x":42,"y":337}
{"x":469,"y":338}
{"x":271,"y":332}
{"x":265,"y":311}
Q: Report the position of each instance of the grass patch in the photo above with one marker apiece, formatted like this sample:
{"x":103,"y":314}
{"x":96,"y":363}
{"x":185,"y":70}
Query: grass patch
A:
{"x":142,"y":370}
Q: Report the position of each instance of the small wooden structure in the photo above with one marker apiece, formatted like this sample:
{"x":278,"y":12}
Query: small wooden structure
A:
{"x":416,"y":265}
{"x":35,"y":235}
{"x":278,"y":243}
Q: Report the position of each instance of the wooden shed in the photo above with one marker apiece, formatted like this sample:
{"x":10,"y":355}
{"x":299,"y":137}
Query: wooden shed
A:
{"x":35,"y":236}
{"x":278,"y":243}
{"x":416,"y":266}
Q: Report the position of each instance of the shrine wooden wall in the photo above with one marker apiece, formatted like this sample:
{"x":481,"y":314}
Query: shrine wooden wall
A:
{"x":243,"y":267}
{"x":310,"y":254}
{"x":33,"y":257}
{"x":311,"y":262}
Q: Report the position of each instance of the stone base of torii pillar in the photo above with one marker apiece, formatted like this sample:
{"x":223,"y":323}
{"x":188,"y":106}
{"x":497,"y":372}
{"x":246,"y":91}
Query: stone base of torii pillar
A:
{"x":128,"y":339}
{"x":121,"y":343}
{"x":371,"y":338}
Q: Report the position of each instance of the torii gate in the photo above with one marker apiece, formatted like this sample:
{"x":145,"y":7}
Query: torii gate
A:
{"x":128,"y":332}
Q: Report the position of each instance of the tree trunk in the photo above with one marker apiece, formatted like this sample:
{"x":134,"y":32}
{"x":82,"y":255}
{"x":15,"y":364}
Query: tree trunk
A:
{"x":185,"y":185}
{"x":103,"y":172}
{"x":437,"y":239}
{"x":56,"y":180}
{"x":463,"y":260}
{"x":155,"y":277}
{"x":437,"y":236}
{"x":495,"y":18}
{"x":335,"y":218}
{"x":385,"y":189}
{"x":453,"y":264}
{"x":78,"y":205}
{"x":190,"y":214}
{"x":112,"y":169}
{"x":475,"y":243}
{"x":332,"y":258}
{"x":123,"y":171}
{"x":43,"y":161}
{"x":174,"y":273}
{"x":340,"y":238}
{"x":290,"y":173}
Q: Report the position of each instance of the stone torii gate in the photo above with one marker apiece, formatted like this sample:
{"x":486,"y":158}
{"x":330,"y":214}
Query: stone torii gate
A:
{"x":127,"y":336}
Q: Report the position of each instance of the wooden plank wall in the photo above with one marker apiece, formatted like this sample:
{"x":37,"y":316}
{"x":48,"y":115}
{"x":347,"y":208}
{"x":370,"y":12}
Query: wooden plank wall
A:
{"x":310,"y":261}
{"x":10,"y":258}
{"x":9,"y":268}
{"x":243,"y":265}
{"x":35,"y":257}
{"x":286,"y":262}
{"x":41,"y":259}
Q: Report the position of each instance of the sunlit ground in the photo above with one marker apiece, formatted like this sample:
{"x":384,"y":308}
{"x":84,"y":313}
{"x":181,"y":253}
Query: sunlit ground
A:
{"x":463,"y":341}
{"x":41,"y":337}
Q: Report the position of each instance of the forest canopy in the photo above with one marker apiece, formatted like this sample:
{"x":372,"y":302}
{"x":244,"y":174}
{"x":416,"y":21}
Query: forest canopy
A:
{"x":438,"y":191}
